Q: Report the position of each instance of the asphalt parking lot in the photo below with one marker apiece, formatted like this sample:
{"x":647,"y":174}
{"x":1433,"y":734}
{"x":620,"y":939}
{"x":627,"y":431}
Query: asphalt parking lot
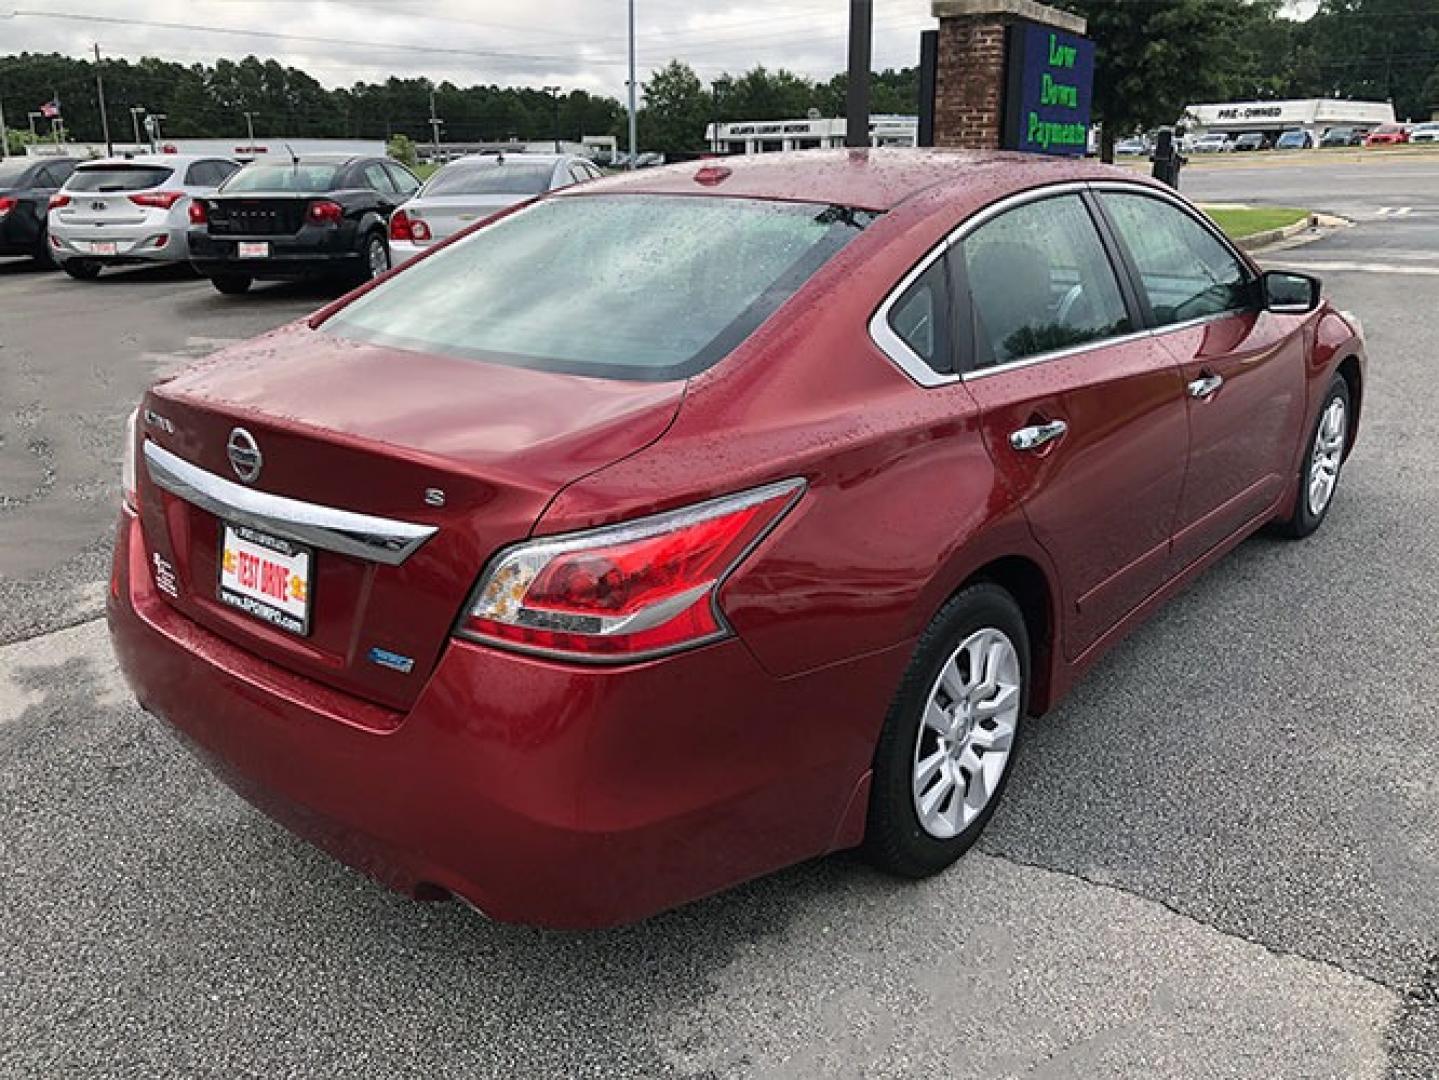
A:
{"x":1219,"y":858}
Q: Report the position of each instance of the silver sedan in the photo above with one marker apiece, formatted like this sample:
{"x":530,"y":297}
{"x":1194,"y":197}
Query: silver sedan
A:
{"x":120,"y":211}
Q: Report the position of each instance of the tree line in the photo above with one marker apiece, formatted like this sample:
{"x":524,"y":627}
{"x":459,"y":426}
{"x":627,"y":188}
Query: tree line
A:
{"x":1153,"y":58}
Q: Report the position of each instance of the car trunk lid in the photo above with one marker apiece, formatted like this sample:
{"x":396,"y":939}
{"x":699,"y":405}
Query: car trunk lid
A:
{"x":472,"y":451}
{"x":448,"y":214}
{"x":258,"y":215}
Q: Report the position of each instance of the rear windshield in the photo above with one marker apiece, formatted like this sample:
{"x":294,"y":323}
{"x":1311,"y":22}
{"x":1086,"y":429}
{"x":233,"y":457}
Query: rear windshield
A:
{"x":118,"y":177}
{"x":489,"y":178}
{"x":620,"y":286}
{"x":301,"y":177}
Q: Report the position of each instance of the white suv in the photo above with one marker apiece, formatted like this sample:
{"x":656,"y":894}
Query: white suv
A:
{"x":119,"y":211}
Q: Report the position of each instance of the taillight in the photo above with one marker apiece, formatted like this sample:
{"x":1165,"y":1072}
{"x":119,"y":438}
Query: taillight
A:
{"x":163,"y":200}
{"x":198,"y":214}
{"x":420,"y":230}
{"x":400,"y":226}
{"x":128,"y":491}
{"x":57,"y":201}
{"x":325,"y":212}
{"x":6,"y":205}
{"x":624,"y":592}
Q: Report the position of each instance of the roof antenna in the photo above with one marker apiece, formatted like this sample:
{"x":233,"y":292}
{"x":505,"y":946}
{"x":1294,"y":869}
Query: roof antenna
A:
{"x":294,"y":158}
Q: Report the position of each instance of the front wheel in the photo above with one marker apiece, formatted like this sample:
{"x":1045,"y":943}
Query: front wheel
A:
{"x":945,"y":751}
{"x":81,"y":269}
{"x":1323,"y":459}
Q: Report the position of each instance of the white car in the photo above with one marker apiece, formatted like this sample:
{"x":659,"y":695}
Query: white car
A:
{"x":1427,"y":132}
{"x":120,"y":211}
{"x":475,"y":187}
{"x":1213,"y":143}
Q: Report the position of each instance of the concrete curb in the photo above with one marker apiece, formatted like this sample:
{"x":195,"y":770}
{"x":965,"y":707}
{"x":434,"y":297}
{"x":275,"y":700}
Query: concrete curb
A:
{"x":1259,"y":240}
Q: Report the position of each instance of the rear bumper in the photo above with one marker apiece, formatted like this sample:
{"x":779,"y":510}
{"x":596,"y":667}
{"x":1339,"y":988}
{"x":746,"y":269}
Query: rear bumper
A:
{"x":402,"y":251}
{"x":312,"y":252}
{"x":138,"y":244}
{"x":20,"y":234}
{"x":542,"y":793}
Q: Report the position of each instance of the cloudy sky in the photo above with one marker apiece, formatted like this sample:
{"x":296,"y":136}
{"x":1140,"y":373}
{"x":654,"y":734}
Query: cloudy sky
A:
{"x":577,"y":43}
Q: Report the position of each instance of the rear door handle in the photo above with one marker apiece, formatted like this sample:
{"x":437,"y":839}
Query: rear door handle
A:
{"x":1205,"y":386}
{"x":1036,"y":435}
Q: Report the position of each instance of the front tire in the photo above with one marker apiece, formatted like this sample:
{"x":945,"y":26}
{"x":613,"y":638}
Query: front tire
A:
{"x":232,"y":284}
{"x":1323,"y":460}
{"x":81,"y":269}
{"x":947,"y":746}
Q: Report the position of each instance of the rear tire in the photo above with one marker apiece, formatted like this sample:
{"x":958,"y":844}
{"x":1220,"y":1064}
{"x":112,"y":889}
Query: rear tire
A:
{"x":1323,"y":460}
{"x":947,"y":746}
{"x":232,"y":284}
{"x":81,"y":269}
{"x":374,"y":257}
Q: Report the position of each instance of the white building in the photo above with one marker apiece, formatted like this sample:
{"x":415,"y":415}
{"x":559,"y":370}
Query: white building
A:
{"x":773,"y":136}
{"x":1315,"y":115}
{"x":237,"y":148}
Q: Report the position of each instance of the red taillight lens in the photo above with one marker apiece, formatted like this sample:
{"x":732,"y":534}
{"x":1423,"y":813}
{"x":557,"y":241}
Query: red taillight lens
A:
{"x":325,"y":212}
{"x":160,"y":199}
{"x":59,"y":200}
{"x":400,"y":226}
{"x":198,"y":214}
{"x":628,"y":591}
{"x":420,"y":231}
{"x":6,"y":205}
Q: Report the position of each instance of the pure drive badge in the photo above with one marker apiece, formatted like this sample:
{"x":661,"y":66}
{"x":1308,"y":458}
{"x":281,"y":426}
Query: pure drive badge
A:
{"x":392,"y":660}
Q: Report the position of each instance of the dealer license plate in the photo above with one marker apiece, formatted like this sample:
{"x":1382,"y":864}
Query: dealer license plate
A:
{"x":266,"y":577}
{"x":255,"y":251}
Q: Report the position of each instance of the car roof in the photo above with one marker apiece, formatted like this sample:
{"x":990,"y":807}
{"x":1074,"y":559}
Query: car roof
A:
{"x":511,"y":158}
{"x":865,"y":179}
{"x":172,"y":160}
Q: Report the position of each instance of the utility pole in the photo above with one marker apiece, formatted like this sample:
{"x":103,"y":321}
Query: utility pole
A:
{"x":250,"y":128}
{"x":136,"y":111}
{"x":33,"y":117}
{"x":554,"y":92}
{"x":152,"y":124}
{"x":435,"y":124}
{"x":100,"y":93}
{"x":634,"y":120}
{"x":4,"y":134}
{"x":861,"y":32}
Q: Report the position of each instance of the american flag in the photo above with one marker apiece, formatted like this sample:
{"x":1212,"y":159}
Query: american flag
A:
{"x":51,"y":109}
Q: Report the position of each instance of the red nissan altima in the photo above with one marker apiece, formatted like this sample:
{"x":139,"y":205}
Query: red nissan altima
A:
{"x":682,"y":526}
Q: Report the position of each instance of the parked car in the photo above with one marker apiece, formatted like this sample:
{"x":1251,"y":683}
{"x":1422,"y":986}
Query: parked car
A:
{"x":1387,"y":135}
{"x":1250,"y":140}
{"x":1132,"y":146}
{"x":571,"y":587}
{"x":475,"y":187}
{"x":26,"y":184}
{"x":1426,"y":132}
{"x":1213,"y":143}
{"x":125,"y":211}
{"x":1341,"y":136}
{"x":1294,"y":139}
{"x":315,"y":216}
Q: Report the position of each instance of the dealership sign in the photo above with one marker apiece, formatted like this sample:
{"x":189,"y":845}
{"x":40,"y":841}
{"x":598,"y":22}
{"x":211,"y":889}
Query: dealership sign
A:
{"x":1048,"y":89}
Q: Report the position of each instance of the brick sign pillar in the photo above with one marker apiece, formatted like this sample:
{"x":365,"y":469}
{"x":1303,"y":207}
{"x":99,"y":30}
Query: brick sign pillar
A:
{"x":969,"y":86}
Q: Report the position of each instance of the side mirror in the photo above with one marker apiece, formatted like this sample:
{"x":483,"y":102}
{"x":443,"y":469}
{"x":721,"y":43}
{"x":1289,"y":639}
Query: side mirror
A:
{"x":1289,"y":293}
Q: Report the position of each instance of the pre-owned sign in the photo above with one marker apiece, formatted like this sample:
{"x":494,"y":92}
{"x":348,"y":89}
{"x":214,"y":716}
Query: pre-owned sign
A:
{"x":1048,"y":90}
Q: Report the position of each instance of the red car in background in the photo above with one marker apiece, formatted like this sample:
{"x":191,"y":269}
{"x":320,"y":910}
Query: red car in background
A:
{"x":580,"y":588}
{"x":1387,"y":135}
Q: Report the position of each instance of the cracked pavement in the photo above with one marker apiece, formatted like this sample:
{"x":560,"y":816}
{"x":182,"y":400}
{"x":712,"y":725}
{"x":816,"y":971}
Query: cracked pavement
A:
{"x":1219,"y":858}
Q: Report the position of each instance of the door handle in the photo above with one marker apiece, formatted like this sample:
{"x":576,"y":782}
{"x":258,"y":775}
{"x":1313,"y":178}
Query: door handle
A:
{"x":1205,"y":386}
{"x":1036,"y":435}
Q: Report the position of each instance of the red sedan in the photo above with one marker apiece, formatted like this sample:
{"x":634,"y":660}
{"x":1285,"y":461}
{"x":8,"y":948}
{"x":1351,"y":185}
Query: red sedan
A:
{"x":1387,"y":135}
{"x":685,"y":525}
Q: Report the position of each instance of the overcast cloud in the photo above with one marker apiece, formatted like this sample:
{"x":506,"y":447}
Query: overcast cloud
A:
{"x":576,"y":43}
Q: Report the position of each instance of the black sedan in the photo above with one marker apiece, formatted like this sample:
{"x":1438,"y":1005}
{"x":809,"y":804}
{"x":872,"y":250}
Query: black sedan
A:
{"x":26,"y":184}
{"x":312,"y":216}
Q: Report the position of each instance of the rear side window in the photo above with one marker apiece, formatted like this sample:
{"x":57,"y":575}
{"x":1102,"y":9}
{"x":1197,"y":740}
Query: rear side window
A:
{"x":404,"y":181}
{"x":682,"y":281}
{"x":921,"y":317}
{"x":1040,"y":280}
{"x":490,"y":178}
{"x":301,"y":177}
{"x":118,"y":177}
{"x":1184,"y":270}
{"x":378,"y":178}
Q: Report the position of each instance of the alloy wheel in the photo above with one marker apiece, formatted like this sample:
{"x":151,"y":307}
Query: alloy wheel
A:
{"x":377,"y":257}
{"x":1327,"y":455}
{"x":966,"y":733}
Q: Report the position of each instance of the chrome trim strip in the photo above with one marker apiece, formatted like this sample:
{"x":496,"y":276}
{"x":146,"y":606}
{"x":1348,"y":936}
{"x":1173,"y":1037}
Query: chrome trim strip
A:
{"x":904,"y":358}
{"x":374,"y":539}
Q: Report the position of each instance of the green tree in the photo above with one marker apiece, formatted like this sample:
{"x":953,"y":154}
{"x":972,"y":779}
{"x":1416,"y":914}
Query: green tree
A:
{"x":402,"y":149}
{"x":676,"y":110}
